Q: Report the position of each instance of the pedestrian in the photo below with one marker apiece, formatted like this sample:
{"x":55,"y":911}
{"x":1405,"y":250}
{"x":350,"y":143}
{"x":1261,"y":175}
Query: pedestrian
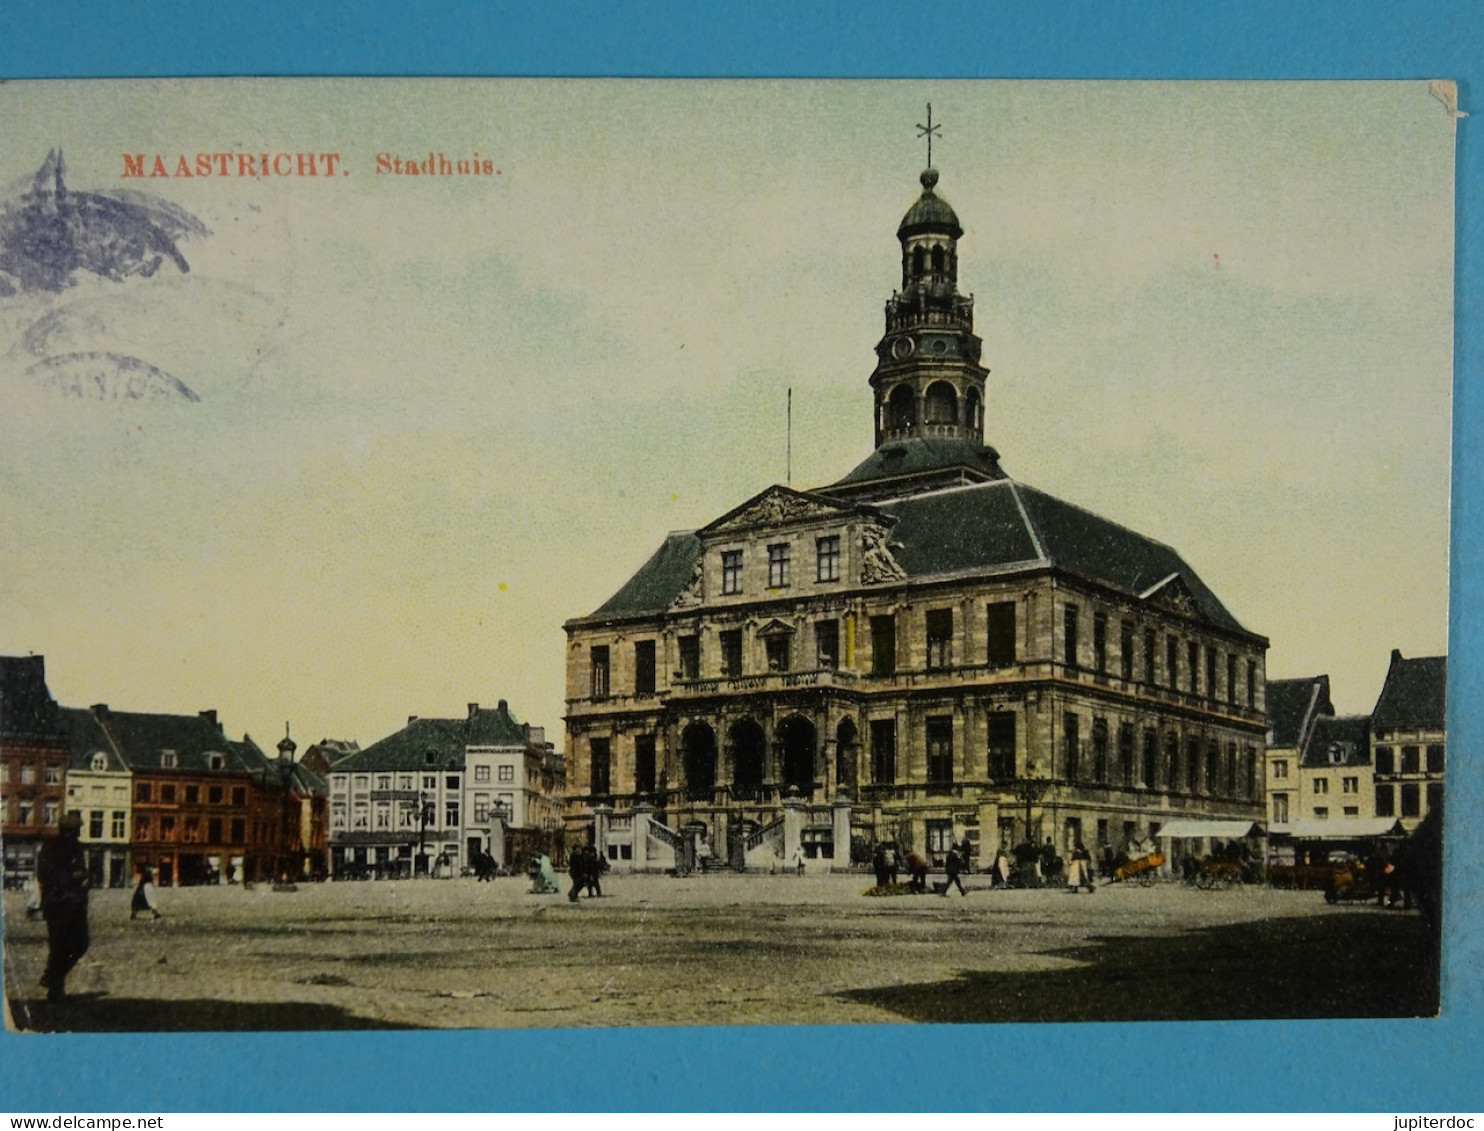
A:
{"x":596,"y":866}
{"x":62,"y":871}
{"x":799,"y":860}
{"x":893,"y":864}
{"x":32,"y":891}
{"x":1000,"y":874}
{"x":1079,"y":874}
{"x":878,"y":865}
{"x":543,"y":875}
{"x":144,"y":896}
{"x":952,"y":865}
{"x":577,"y":869}
{"x":919,"y":869}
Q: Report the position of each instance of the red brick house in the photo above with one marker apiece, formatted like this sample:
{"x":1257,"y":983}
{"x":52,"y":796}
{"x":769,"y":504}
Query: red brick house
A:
{"x":33,"y":762}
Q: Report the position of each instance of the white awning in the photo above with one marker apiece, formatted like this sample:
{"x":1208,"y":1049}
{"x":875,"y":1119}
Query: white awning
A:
{"x":1342,"y":828}
{"x":1223,"y":830}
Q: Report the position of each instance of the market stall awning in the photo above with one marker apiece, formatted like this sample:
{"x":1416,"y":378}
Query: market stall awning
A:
{"x":1223,"y":830}
{"x":1343,"y":829}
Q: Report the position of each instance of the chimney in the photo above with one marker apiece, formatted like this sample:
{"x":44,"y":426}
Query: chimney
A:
{"x":473,"y":709}
{"x":100,"y":710}
{"x":411,"y":719}
{"x":504,"y":708}
{"x":1396,"y":656}
{"x":210,"y":717}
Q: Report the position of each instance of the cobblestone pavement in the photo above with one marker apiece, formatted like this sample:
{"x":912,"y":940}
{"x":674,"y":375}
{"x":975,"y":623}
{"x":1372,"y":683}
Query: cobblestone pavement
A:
{"x":714,"y":950}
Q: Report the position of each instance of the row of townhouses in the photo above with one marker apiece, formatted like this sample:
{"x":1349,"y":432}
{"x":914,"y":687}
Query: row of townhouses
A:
{"x":1332,"y":778}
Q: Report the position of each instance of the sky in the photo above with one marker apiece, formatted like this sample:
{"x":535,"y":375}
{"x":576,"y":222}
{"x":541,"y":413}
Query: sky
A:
{"x":436,"y":417}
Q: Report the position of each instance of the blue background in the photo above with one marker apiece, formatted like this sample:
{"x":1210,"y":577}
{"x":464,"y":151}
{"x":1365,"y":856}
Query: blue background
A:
{"x":1390,"y":1065}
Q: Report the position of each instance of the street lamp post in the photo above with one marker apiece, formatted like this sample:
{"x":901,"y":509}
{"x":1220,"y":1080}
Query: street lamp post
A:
{"x":1029,"y":791}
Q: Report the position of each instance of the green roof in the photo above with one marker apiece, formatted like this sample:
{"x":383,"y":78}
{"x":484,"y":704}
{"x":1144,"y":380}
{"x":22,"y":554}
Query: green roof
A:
{"x":142,"y":739}
{"x":931,"y":212}
{"x":1415,"y":693}
{"x":444,"y":739}
{"x":922,"y":457}
{"x":27,"y":710}
{"x":660,"y":579}
{"x":1342,"y":741}
{"x":1288,"y":702}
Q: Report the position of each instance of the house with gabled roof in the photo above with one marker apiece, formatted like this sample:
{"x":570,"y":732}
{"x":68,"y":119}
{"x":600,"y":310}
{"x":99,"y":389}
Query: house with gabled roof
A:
{"x":923,"y":652}
{"x":33,"y":762}
{"x":1293,"y":708}
{"x":1409,"y":738}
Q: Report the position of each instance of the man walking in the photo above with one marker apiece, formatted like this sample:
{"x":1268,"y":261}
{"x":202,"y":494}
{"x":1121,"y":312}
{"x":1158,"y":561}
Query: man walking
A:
{"x":952,"y":865}
{"x":62,"y":871}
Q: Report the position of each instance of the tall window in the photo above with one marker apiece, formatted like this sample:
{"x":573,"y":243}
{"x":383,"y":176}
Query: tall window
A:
{"x":940,"y":750}
{"x":731,"y":652}
{"x":731,"y":572}
{"x":600,"y":759}
{"x":1099,"y":750}
{"x":1069,"y":636}
{"x":644,"y":777}
{"x":827,"y":558}
{"x":1001,"y":745}
{"x":778,"y":652}
{"x":1280,"y":808}
{"x":1172,"y":663}
{"x":1213,"y":766}
{"x":1100,"y":642}
{"x":827,"y":643}
{"x":1385,"y":760}
{"x":883,"y":645}
{"x":883,"y":751}
{"x":1210,"y":672}
{"x":1410,"y":761}
{"x":1386,"y":800}
{"x":1435,"y":759}
{"x":644,"y":667}
{"x":1125,"y":753}
{"x":1126,"y":650}
{"x":1072,"y":746}
{"x":778,"y":565}
{"x":690,"y":657}
{"x":939,"y":638}
{"x":1192,"y":764}
{"x":599,"y":658}
{"x":1149,"y":639}
{"x":1151,"y":758}
{"x":1193,"y":666}
{"x":1172,"y":762}
{"x":1001,"y":620}
{"x":1231,"y":677}
{"x":1434,"y":796}
{"x":1251,"y":683}
{"x":1411,"y":800}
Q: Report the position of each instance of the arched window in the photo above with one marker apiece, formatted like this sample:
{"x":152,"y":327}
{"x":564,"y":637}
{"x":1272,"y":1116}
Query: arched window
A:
{"x":937,"y":261}
{"x":942,"y":404}
{"x":918,"y":261}
{"x":902,"y":409}
{"x":973,"y":410}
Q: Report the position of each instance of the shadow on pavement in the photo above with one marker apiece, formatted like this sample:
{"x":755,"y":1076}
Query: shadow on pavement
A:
{"x":99,"y":1013}
{"x":1360,"y":964}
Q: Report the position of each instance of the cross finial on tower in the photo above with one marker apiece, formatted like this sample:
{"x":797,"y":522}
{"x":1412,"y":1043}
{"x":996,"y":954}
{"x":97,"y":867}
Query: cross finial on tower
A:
{"x":928,"y":131}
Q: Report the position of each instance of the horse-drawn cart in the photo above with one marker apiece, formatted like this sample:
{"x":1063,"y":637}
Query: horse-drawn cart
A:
{"x":1142,"y":870}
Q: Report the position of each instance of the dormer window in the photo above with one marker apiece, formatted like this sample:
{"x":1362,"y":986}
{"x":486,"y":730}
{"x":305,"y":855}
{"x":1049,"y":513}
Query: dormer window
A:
{"x":100,"y":762}
{"x":168,"y":760}
{"x":217,"y":761}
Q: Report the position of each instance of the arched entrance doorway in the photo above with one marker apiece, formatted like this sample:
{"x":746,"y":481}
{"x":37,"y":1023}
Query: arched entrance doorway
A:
{"x":698,"y":757}
{"x":748,"y":746}
{"x":797,"y":737}
{"x":847,"y":750}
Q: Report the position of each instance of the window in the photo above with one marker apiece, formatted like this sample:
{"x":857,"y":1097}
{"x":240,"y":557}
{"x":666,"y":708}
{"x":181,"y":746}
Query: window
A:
{"x":1385,"y":760}
{"x":141,"y":823}
{"x":1321,"y":812}
{"x":1410,"y":761}
{"x":1001,"y":624}
{"x":827,"y":558}
{"x":599,"y":758}
{"x":142,"y":792}
{"x":1252,"y":683}
{"x":1099,"y":750}
{"x":939,"y":638}
{"x":1386,"y":801}
{"x":1192,"y":764}
{"x":100,"y":763}
{"x":1210,"y":673}
{"x":1193,"y":666}
{"x":167,"y":794}
{"x":168,"y":760}
{"x":337,"y":815}
{"x":1072,"y":745}
{"x":1411,"y":800}
{"x":430,"y":781}
{"x":1321,"y":785}
{"x":1172,"y":662}
{"x":404,"y":781}
{"x":450,"y":814}
{"x":383,"y":815}
{"x":1149,"y":640}
{"x":1350,"y":785}
{"x":1126,"y":650}
{"x":239,"y":795}
{"x":54,"y":775}
{"x":1231,"y":677}
{"x":644,"y":777}
{"x":49,"y":813}
{"x":1151,"y":760}
{"x":451,"y":781}
{"x":1100,"y":642}
{"x":214,"y":826}
{"x":644,"y":667}
{"x":777,"y":647}
{"x":939,"y":836}
{"x":1125,"y":753}
{"x":216,"y":761}
{"x":1352,"y":810}
{"x":482,"y":772}
{"x":940,"y":750}
{"x":362,"y":781}
{"x":1172,"y":760}
{"x":778,"y":565}
{"x":1069,"y":636}
{"x":481,"y":808}
{"x":731,"y":652}
{"x":883,"y":645}
{"x":1435,"y":759}
{"x":28,"y":774}
{"x":598,"y":657}
{"x":1251,"y":772}
{"x":1434,"y":796}
{"x":690,"y":657}
{"x":507,"y":773}
{"x":384,"y":781}
{"x":827,"y":643}
{"x":117,"y":829}
{"x":239,"y":831}
{"x":731,"y":572}
{"x":883,"y":751}
{"x":1001,"y":745}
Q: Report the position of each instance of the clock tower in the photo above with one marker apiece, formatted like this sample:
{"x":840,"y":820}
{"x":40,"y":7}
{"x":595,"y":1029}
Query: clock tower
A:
{"x":928,"y":382}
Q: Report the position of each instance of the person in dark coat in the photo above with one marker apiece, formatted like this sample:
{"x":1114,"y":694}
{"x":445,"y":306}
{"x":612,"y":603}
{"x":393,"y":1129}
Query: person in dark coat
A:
{"x":577,"y":869}
{"x":595,"y":867}
{"x":878,"y":864}
{"x":953,"y":865}
{"x":62,"y":871}
{"x":143,"y":902}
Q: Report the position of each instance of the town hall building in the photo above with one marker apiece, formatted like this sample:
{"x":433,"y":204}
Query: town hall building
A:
{"x":924,"y":652}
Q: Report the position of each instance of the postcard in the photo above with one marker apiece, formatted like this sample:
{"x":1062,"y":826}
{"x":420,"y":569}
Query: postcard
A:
{"x":508,"y":554}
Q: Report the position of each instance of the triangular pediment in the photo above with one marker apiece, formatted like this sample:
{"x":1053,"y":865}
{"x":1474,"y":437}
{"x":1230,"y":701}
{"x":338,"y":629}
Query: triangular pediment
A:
{"x":776,"y":627}
{"x":779,"y":506}
{"x":1176,"y":596}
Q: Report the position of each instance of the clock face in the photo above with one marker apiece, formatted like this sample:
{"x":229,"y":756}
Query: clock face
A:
{"x":902,"y":347}
{"x":940,"y":347}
